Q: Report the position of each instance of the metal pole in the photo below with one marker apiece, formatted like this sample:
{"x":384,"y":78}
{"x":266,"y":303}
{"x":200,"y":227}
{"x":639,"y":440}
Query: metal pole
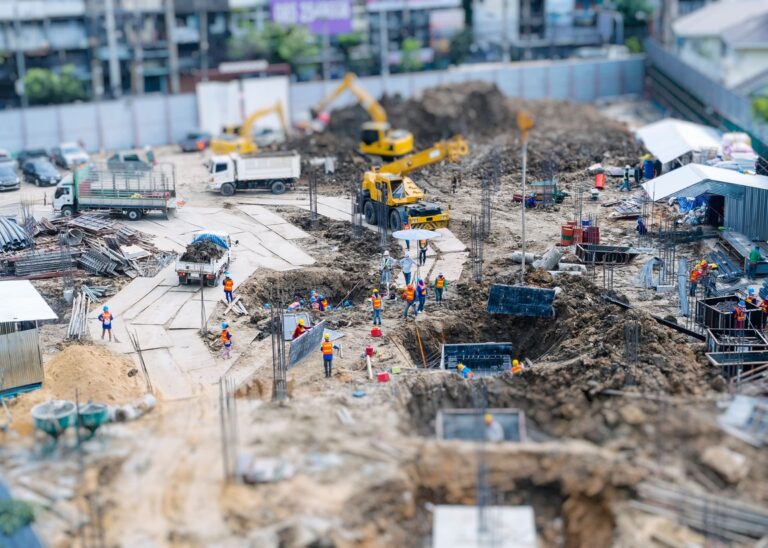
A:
{"x":326,"y":51}
{"x":115,"y":81}
{"x":525,"y":166}
{"x":204,"y":45}
{"x":173,"y":52}
{"x":21,"y":65}
{"x":505,"y":57}
{"x":383,"y":44}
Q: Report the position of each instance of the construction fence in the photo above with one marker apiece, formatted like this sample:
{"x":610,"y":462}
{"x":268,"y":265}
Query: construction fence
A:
{"x":163,"y":119}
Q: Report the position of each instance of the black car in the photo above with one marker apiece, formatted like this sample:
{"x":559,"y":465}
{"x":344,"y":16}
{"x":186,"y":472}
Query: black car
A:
{"x":8,"y":178}
{"x":40,"y":171}
{"x":195,"y":141}
{"x":30,"y":153}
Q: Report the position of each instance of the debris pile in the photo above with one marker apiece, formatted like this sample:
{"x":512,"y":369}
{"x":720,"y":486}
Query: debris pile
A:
{"x":202,"y":251}
{"x":93,"y":243}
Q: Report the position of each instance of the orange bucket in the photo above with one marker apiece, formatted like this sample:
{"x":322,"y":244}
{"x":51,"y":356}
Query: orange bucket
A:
{"x":578,"y":235}
{"x":566,"y":235}
{"x":600,"y":181}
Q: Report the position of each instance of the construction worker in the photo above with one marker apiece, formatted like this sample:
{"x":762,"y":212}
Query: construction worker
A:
{"x":226,"y":340}
{"x":441,"y":284}
{"x":625,"y":184}
{"x":387,"y":264}
{"x":751,"y":298}
{"x":517,"y":367}
{"x":740,"y":315}
{"x":323,"y":303}
{"x":376,"y":304}
{"x":299,"y":330}
{"x":464,"y":371}
{"x":410,"y":300}
{"x":694,"y":279}
{"x":494,"y":433}
{"x":421,"y":295}
{"x":641,"y":229}
{"x":407,"y":264}
{"x":106,"y":318}
{"x":407,"y":226}
{"x":710,"y":281}
{"x":755,"y":256}
{"x":327,"y":348}
{"x":229,"y":285}
{"x":764,"y":310}
{"x":423,"y":246}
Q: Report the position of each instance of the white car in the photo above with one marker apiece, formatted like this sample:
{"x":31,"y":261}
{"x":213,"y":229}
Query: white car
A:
{"x":70,"y":155}
{"x":7,"y":159}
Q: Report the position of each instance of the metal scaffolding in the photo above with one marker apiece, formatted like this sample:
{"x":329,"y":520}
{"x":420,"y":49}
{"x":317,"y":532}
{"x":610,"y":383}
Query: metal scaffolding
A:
{"x":279,"y":358}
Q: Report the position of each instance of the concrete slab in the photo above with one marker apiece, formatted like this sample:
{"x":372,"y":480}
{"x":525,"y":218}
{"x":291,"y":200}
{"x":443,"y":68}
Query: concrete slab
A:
{"x":150,"y":337}
{"x":451,"y":265}
{"x":169,"y":278}
{"x":188,"y":316}
{"x":119,"y":333}
{"x":169,"y":382}
{"x":209,"y":375}
{"x":261,"y":214}
{"x":209,"y":293}
{"x":508,"y":527}
{"x":448,"y":243}
{"x":284,"y":249}
{"x":145,"y":301}
{"x":250,"y":242}
{"x":133,"y":293}
{"x":289,"y":231}
{"x":296,"y":201}
{"x":189,"y":351}
{"x":163,"y":310}
{"x":274,"y":263}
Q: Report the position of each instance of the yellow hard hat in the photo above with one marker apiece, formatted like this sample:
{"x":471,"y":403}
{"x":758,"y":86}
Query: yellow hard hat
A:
{"x":460,"y":366}
{"x":488,"y":417}
{"x":713,"y":266}
{"x":327,"y":336}
{"x":515,"y":362}
{"x":703,"y":263}
{"x":375,"y":290}
{"x":301,"y":322}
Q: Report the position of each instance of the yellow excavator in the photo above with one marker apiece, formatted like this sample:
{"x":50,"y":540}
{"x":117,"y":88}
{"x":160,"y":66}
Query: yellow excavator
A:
{"x":387,"y":195}
{"x":376,"y":136}
{"x":241,"y":139}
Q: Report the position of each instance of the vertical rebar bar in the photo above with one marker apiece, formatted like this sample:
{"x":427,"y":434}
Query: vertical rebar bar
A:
{"x":313,"y":199}
{"x":632,"y":341}
{"x":356,"y":210}
{"x":485,"y":209}
{"x":477,"y":249}
{"x":382,"y":218}
{"x":279,"y":363}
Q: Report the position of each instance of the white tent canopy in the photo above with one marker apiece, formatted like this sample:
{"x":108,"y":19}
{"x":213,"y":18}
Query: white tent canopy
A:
{"x":669,"y":139}
{"x":22,"y":302}
{"x":692,"y":180}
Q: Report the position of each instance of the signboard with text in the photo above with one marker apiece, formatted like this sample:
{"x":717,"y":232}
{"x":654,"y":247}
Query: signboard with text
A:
{"x":319,"y":16}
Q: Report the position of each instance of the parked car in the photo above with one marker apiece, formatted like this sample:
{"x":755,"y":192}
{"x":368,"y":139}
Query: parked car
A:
{"x":7,"y":160}
{"x":129,"y":161}
{"x":195,"y":141}
{"x":9,"y":180}
{"x":25,"y":155}
{"x":69,"y":155}
{"x":40,"y":171}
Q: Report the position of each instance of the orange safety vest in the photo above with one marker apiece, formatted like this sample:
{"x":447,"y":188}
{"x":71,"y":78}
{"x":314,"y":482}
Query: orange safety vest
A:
{"x":764,"y":306}
{"x":225,"y":336}
{"x":517,"y":368}
{"x":299,"y":331}
{"x":327,"y":348}
{"x":440,"y":283}
{"x":228,"y":284}
{"x":695,"y":275}
{"x":376,"y":303}
{"x":740,"y":315}
{"x":106,"y":317}
{"x":409,"y":293}
{"x":752,"y":301}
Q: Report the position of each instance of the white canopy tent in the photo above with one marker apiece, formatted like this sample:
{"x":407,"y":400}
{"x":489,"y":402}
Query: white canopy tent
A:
{"x":669,"y":139}
{"x":692,"y":180}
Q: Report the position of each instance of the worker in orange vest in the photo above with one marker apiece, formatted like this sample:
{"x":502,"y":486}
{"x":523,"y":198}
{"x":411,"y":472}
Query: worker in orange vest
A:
{"x":694,"y":278}
{"x":299,"y":330}
{"x":376,"y":305}
{"x":751,"y":299}
{"x":410,"y":300}
{"x":226,"y":340}
{"x":229,"y":285}
{"x":764,"y":310}
{"x":423,"y":245}
{"x":517,"y":367}
{"x":327,"y":348}
{"x":441,"y":284}
{"x":740,"y":315}
{"x":106,"y":322}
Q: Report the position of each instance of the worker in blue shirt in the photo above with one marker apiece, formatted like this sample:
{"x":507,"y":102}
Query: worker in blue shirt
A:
{"x":106,"y":318}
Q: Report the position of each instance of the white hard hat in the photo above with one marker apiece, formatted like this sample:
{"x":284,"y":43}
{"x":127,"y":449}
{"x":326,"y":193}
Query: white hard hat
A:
{"x":386,"y":253}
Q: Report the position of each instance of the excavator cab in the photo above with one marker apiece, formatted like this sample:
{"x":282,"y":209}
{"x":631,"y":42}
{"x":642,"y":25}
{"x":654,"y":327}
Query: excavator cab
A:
{"x":378,"y":139}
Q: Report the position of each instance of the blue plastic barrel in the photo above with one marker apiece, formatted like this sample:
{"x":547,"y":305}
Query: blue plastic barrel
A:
{"x":648,"y":169}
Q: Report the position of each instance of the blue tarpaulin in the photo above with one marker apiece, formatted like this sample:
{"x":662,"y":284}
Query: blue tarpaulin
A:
{"x":521,"y":301}
{"x":215,"y":238}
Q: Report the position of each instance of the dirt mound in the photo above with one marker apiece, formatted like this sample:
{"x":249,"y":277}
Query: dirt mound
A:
{"x":202,"y":252}
{"x":98,"y":374}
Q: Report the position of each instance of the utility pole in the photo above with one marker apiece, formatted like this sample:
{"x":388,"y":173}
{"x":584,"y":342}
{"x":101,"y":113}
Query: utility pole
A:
{"x":173,"y":52}
{"x":384,"y":44}
{"x":204,"y":46}
{"x":21,"y":65}
{"x":524,"y":124}
{"x":115,"y":80}
{"x":97,"y":74}
{"x":326,"y":50}
{"x":137,"y":74}
{"x":505,"y":57}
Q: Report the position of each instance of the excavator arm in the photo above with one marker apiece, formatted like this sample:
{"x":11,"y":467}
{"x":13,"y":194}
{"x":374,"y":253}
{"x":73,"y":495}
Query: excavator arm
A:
{"x":452,"y":150}
{"x":246,"y":130}
{"x":366,"y":100}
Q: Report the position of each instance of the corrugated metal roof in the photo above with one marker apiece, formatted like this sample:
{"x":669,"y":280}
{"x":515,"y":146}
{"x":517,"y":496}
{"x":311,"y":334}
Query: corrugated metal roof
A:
{"x":718,"y":17}
{"x":669,"y":139}
{"x":694,"y":179}
{"x":22,"y":302}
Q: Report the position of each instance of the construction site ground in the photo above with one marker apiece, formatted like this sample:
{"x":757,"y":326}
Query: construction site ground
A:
{"x":368,"y":468}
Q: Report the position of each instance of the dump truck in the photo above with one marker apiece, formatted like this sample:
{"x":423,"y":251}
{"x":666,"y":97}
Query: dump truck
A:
{"x":274,"y":171}
{"x":387,"y":195}
{"x":207,"y":256}
{"x":131,"y":193}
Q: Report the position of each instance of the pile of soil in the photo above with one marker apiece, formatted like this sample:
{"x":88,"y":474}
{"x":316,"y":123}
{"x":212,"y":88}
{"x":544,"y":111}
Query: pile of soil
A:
{"x":96,"y":372}
{"x":202,"y":251}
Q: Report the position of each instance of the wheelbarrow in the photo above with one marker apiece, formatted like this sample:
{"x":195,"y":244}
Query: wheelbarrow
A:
{"x":54,"y":417}
{"x":92,"y":416}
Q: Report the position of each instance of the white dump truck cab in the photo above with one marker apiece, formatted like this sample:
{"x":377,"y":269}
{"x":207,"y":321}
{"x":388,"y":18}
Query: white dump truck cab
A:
{"x":64,"y":197}
{"x":222,"y":170}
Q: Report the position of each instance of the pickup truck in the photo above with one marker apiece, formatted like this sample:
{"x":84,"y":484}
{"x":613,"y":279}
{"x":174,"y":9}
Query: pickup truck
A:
{"x":208,"y":255}
{"x":274,"y":171}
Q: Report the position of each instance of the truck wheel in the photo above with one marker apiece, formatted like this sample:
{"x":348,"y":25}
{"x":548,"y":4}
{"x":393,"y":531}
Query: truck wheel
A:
{"x":133,"y":214}
{"x":278,"y":187}
{"x":395,"y":220}
{"x":67,"y":211}
{"x":227,"y":189}
{"x":370,"y":213}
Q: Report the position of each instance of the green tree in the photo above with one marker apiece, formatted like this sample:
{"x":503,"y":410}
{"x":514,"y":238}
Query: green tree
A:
{"x":760,"y":108}
{"x":634,"y":45}
{"x":410,"y":61}
{"x":347,"y":42}
{"x":252,"y":44}
{"x":291,"y":44}
{"x":635,"y":12}
{"x":45,"y":87}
